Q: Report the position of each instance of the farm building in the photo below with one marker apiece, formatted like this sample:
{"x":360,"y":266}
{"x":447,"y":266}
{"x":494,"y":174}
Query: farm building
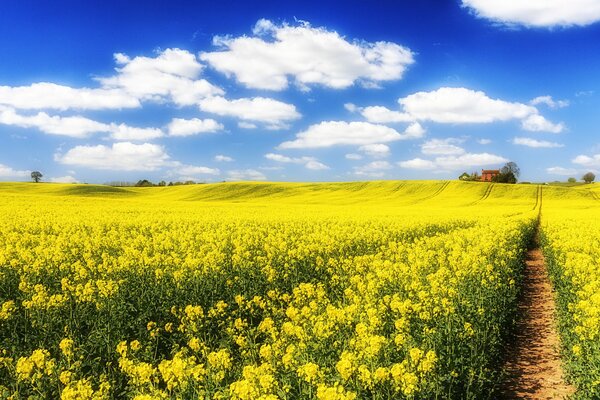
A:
{"x":489,"y":175}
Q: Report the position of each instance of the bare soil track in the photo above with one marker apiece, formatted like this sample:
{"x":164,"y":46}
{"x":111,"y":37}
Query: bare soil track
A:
{"x":533,"y":366}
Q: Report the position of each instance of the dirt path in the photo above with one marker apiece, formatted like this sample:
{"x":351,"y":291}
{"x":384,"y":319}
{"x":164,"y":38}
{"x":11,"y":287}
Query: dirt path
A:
{"x":533,"y":365}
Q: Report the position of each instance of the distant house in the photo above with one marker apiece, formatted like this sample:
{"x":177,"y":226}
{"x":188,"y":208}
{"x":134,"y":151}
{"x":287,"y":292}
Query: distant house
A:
{"x":489,"y":175}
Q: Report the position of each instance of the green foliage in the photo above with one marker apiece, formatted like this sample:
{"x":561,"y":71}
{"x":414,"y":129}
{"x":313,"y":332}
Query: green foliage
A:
{"x":36,"y":176}
{"x":588,"y":177}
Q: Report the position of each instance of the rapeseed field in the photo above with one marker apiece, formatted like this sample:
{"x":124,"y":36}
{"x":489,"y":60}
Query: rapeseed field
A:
{"x":332,"y":291}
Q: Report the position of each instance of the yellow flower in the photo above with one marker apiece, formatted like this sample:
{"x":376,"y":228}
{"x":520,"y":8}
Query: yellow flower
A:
{"x":66,"y":346}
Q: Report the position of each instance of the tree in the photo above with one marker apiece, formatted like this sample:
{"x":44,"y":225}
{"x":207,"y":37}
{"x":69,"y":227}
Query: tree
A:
{"x":571,"y":180}
{"x":511,"y":167}
{"x":162,"y":183}
{"x":589,"y":177}
{"x":144,"y":183}
{"x":464,"y":177}
{"x":36,"y":176}
{"x":509,"y":173}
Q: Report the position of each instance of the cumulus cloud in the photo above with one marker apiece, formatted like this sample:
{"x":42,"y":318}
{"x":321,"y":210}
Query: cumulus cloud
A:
{"x":461,"y":105}
{"x":124,"y":156}
{"x":522,"y":141}
{"x":458,"y":105}
{"x":442,"y":147}
{"x":588,"y":161}
{"x":383,"y":115}
{"x":306,"y":55}
{"x":257,"y":109}
{"x":417,"y":163}
{"x":8,"y":172}
{"x":353,"y":156}
{"x":550,"y":102}
{"x":126,"y":132}
{"x":308,"y":162}
{"x":246,"y":125}
{"x":351,"y":107}
{"x":47,"y":95}
{"x":537,"y":123}
{"x":537,"y":13}
{"x":469,"y":160}
{"x":334,"y":133}
{"x":374,"y":169}
{"x":223,"y":158}
{"x":561,"y":171}
{"x":172,"y":75}
{"x":194,"y":126}
{"x":193,"y":170}
{"x":64,"y":179}
{"x":375,"y":150}
{"x":454,"y":162}
{"x":245,"y":175}
{"x":484,"y":141}
{"x":76,"y":126}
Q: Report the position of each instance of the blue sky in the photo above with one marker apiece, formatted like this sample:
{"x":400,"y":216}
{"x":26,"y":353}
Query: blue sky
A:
{"x":101,"y":91}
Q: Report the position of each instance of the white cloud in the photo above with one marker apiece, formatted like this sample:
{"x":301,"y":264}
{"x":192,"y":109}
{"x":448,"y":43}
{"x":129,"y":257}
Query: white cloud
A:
{"x":587,"y":161}
{"x":351,"y":107}
{"x":194,"y":126}
{"x":123,"y":156}
{"x":461,"y":105}
{"x":193,"y":170}
{"x":550,"y":102}
{"x":414,"y":131}
{"x":442,"y":147}
{"x":537,"y":123}
{"x":222,"y":158}
{"x":375,"y":150}
{"x":246,"y":175}
{"x":484,"y":141}
{"x":308,"y":162}
{"x":307,"y":55}
{"x":537,"y":13}
{"x":454,"y":162}
{"x":246,"y":125}
{"x":333,"y":133}
{"x":126,"y":132}
{"x":373,"y":169}
{"x":47,"y":95}
{"x":8,"y":172}
{"x":561,"y":171}
{"x":535,"y":143}
{"x":171,"y":75}
{"x":418,"y":163}
{"x":383,"y":115}
{"x":353,"y":156}
{"x":257,"y":109}
{"x":315,"y":165}
{"x":469,"y":160}
{"x":64,"y":179}
{"x":78,"y":127}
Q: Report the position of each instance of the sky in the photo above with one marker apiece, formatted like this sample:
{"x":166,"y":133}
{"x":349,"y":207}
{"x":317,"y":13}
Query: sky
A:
{"x":102,"y":91}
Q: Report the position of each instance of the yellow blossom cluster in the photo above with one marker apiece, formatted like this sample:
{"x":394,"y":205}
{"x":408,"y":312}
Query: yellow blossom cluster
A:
{"x":571,"y":241}
{"x":258,"y":291}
